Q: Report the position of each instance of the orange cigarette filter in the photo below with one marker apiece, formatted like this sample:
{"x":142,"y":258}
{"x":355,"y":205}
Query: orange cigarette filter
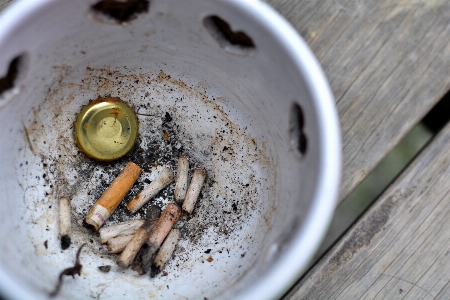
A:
{"x":113,"y":195}
{"x":164,"y":224}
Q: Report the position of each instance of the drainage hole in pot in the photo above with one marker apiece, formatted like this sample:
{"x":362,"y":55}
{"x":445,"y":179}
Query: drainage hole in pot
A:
{"x":121,"y":11}
{"x":234,"y":41}
{"x":12,"y":76}
{"x":297,"y":137}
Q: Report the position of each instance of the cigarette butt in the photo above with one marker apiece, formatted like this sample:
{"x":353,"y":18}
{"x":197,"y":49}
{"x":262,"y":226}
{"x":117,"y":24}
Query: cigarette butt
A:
{"x":164,"y":178}
{"x":159,"y":232}
{"x":165,"y":252}
{"x":113,"y":195}
{"x":118,"y":243}
{"x":65,"y":224}
{"x":139,"y":238}
{"x":164,"y":224}
{"x":124,"y":228}
{"x":194,"y":189}
{"x":132,"y":248}
{"x":182,"y":178}
{"x":137,"y":262}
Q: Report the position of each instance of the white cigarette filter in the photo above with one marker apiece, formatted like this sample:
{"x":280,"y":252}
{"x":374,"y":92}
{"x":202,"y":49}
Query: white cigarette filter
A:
{"x":65,"y":224}
{"x":164,"y":178}
{"x":181,"y":181}
{"x":117,"y":244}
{"x":194,"y":189}
{"x":124,"y":228}
{"x":165,"y":252}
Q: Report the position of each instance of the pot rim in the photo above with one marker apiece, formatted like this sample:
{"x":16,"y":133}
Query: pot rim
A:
{"x":307,"y":237}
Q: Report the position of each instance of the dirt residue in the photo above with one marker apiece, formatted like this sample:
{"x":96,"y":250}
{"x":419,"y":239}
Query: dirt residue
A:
{"x":174,"y":118}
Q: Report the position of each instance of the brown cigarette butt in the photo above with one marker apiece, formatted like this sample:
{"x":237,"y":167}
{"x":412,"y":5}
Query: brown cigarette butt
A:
{"x":112,"y":196}
{"x":65,"y":223}
{"x":124,"y":228}
{"x":164,"y":178}
{"x":118,"y":243}
{"x":194,"y":189}
{"x":164,"y":224}
{"x":159,"y":232}
{"x":139,"y":238}
{"x":165,"y":252}
{"x":182,"y":178}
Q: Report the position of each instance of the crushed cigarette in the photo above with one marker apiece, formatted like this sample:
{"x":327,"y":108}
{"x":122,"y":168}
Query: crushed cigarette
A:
{"x":182,"y":178}
{"x":112,"y":196}
{"x":137,"y":262}
{"x":158,"y":233}
{"x":164,"y":178}
{"x":124,"y":228}
{"x":64,"y":222}
{"x":165,"y":252}
{"x":194,"y":189}
{"x":139,"y":238}
{"x":118,"y":243}
{"x":76,"y":269}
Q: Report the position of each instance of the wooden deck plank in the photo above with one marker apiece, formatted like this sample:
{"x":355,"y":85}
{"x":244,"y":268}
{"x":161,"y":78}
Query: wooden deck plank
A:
{"x":387,"y":63}
{"x":400,"y":249}
{"x":445,"y":293}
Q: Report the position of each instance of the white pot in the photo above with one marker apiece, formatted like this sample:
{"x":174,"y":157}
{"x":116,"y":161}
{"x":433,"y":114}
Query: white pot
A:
{"x":260,"y":119}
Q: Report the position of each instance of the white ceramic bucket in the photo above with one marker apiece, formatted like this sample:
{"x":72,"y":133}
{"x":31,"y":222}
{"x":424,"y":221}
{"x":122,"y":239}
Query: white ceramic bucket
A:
{"x":245,"y":98}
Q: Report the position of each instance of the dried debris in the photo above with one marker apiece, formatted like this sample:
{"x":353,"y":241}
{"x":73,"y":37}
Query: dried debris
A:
{"x":76,"y":269}
{"x":105,"y":269}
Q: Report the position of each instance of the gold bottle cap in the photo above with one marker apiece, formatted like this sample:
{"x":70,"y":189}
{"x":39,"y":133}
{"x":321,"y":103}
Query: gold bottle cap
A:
{"x":106,"y":129}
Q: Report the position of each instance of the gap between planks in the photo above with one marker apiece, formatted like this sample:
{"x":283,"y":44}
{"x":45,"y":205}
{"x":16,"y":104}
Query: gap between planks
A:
{"x":400,"y":247}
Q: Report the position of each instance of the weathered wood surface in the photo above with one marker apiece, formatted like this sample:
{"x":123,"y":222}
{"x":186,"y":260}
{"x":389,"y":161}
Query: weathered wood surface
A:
{"x":400,"y":249}
{"x":387,"y":62}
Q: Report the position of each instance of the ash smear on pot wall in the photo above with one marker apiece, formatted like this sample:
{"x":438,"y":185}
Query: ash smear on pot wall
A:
{"x":174,"y":118}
